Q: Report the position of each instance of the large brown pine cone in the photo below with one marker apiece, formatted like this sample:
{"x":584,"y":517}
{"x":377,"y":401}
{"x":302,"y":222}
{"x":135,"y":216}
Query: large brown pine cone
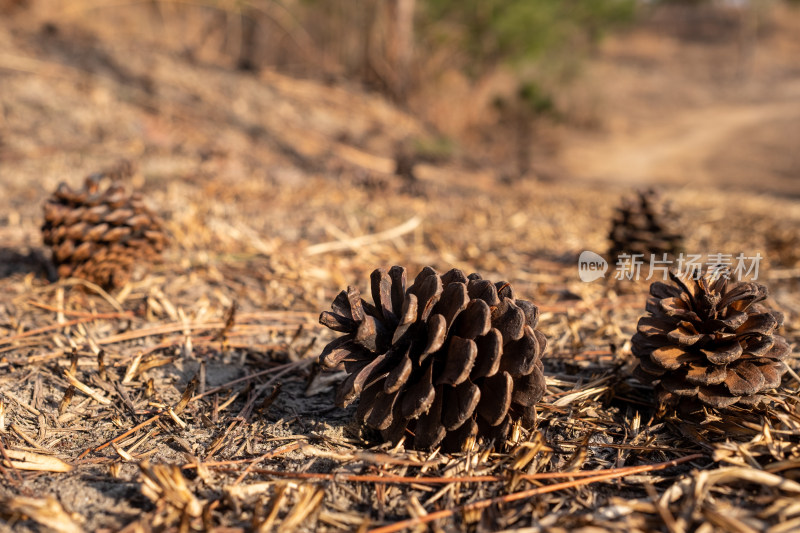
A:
{"x":452,"y":360}
{"x":100,"y":232}
{"x":643,"y":225}
{"x":709,"y":339}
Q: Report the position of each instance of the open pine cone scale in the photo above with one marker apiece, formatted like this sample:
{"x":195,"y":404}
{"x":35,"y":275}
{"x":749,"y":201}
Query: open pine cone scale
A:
{"x":710,"y":339}
{"x":446,"y":360}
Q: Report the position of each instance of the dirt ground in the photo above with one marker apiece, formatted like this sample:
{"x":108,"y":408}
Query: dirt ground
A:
{"x":279,"y":192}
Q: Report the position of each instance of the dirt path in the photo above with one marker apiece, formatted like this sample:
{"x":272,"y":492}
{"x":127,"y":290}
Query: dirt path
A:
{"x":679,"y":111}
{"x":685,"y":148}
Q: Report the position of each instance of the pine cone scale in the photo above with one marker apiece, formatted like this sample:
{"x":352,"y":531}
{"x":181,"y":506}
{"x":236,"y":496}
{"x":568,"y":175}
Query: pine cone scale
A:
{"x":367,"y":333}
{"x":429,"y":429}
{"x":490,"y":351}
{"x":744,"y":379}
{"x":685,"y":334}
{"x":341,"y":306}
{"x":481,"y":289}
{"x":779,"y":351}
{"x":520,"y":356}
{"x":528,"y":389}
{"x":651,"y":327}
{"x":475,"y":320}
{"x":673,"y":357}
{"x":718,"y":396}
{"x":772,"y":373}
{"x":459,"y":362}
{"x":381,"y":415}
{"x":408,"y":316}
{"x":509,"y":320}
{"x":382,"y":295}
{"x":437,"y":334}
{"x":704,"y":374}
{"x":337,"y":322}
{"x":454,"y":300}
{"x":762,"y":323}
{"x":678,"y":307}
{"x":398,"y":276}
{"x":360,"y":372}
{"x":461,"y":402}
{"x":399,"y":375}
{"x":419,"y":396}
{"x":677,"y":384}
{"x":758,"y":346}
{"x":354,"y":304}
{"x":428,"y":295}
{"x":724,"y":353}
{"x":744,"y":295}
{"x":496,"y":398}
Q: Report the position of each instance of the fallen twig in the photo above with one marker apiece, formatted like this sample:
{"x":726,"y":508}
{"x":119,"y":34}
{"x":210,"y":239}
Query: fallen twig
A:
{"x":365,"y":240}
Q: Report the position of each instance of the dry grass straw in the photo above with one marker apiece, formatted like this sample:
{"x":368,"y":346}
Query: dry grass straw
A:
{"x":46,"y":512}
{"x":243,"y":453}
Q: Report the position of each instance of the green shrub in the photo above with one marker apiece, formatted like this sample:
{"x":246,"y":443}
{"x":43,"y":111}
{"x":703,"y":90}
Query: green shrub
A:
{"x":518,"y":30}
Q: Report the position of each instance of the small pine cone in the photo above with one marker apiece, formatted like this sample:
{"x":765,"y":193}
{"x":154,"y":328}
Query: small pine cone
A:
{"x":642,"y":225}
{"x":450,"y":360}
{"x":99,"y":233}
{"x":709,"y":339}
{"x":783,"y":245}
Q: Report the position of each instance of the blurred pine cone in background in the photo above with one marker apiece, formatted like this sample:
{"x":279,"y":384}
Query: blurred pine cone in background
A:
{"x":100,"y":232}
{"x":709,"y":339}
{"x":644,"y":225}
{"x":783,"y":245}
{"x":452,"y":360}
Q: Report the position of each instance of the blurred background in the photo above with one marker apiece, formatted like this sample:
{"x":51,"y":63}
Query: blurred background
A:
{"x":509,"y":128}
{"x":628,"y":90}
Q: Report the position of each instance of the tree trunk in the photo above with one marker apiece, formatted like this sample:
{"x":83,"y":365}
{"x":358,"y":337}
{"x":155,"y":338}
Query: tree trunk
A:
{"x":400,"y":43}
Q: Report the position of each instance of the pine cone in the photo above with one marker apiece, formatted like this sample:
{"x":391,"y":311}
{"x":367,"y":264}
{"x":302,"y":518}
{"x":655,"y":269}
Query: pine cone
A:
{"x":100,"y":232}
{"x":642,"y":225}
{"x":709,"y":339}
{"x":450,"y":360}
{"x":783,"y":245}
